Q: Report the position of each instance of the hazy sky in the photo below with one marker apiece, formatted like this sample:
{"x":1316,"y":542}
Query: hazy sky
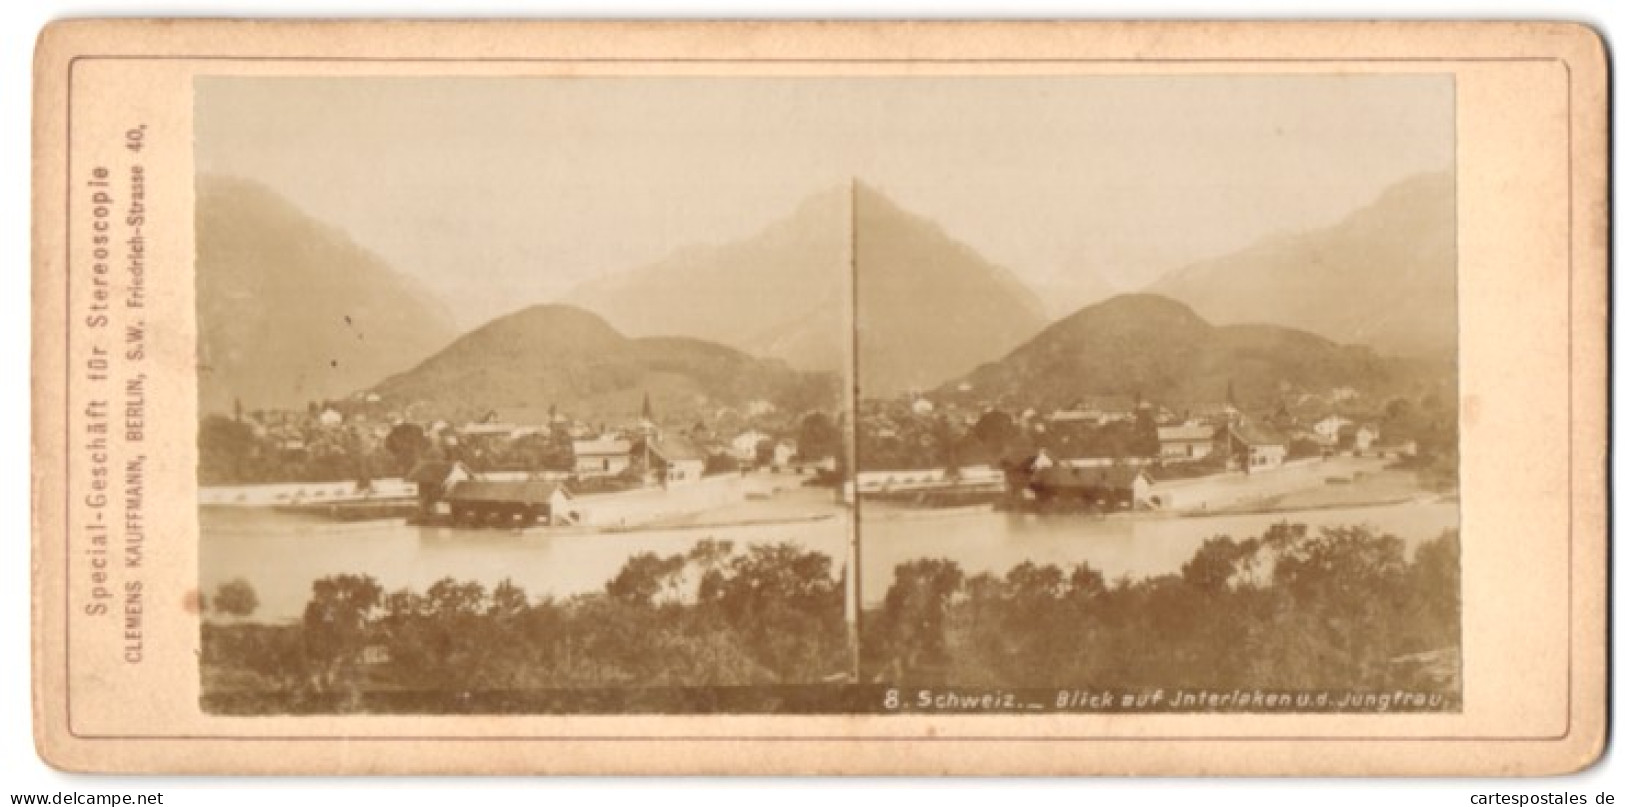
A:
{"x":498,"y":193}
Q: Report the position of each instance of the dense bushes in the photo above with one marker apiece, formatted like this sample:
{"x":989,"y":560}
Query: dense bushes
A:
{"x":762,"y":629}
{"x":1343,"y":608}
{"x":767,"y":616}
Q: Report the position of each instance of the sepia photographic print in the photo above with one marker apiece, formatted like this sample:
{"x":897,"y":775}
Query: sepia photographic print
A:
{"x":1166,"y":409}
{"x":653,"y":392}
{"x":543,"y":406}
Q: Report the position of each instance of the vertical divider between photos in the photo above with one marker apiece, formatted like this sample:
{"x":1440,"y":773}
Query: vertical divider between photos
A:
{"x":848,"y":485}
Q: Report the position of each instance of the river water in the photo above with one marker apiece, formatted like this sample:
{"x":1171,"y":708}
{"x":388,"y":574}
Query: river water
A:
{"x":1132,"y":545}
{"x":281,"y":554}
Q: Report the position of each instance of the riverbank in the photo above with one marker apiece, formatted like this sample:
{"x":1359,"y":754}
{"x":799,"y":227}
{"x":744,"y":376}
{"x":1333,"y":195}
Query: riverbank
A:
{"x":634,"y":529}
{"x":1119,"y":545}
{"x":1337,"y":497}
{"x":1375,"y":488}
{"x":280,"y":555}
{"x":1308,"y":508}
{"x":322,"y":526}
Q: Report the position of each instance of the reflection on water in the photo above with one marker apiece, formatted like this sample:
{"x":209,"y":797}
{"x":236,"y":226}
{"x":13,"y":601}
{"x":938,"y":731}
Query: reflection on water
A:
{"x":282,"y":554}
{"x":1136,"y":546}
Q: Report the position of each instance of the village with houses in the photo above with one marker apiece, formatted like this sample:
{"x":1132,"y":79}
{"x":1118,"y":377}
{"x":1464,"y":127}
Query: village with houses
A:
{"x":358,"y":459}
{"x":363,"y":458}
{"x":1121,"y":454}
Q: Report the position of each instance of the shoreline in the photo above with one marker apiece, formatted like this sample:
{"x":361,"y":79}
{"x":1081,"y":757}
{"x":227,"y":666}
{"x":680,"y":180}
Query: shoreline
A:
{"x":930,"y":513}
{"x":551,"y":532}
{"x":323,"y":527}
{"x":1311,"y":508}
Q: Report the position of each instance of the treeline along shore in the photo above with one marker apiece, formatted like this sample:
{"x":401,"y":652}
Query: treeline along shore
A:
{"x":764,"y":628}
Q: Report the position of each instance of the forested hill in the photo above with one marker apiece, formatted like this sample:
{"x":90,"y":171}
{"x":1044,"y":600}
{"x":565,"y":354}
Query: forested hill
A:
{"x":1158,"y":349}
{"x":561,"y":355}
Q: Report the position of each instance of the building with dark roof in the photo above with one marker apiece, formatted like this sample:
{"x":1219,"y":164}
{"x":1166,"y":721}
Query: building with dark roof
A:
{"x":1105,"y":488}
{"x":603,"y":456}
{"x":1255,"y":447}
{"x":509,"y":502}
{"x":672,"y":460}
{"x":1186,"y":441}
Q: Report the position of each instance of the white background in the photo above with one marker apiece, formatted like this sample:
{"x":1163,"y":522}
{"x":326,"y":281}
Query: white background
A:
{"x":20,"y":768}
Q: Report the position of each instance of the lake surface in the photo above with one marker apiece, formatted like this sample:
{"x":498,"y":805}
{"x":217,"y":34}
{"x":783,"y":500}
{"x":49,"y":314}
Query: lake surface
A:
{"x":281,"y":554}
{"x":1137,"y":546}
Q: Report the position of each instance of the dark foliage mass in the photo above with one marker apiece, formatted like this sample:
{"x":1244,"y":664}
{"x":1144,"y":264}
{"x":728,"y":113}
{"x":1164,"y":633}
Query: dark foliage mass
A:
{"x":767,"y":616}
{"x":1340,"y":609}
{"x":762,"y":630}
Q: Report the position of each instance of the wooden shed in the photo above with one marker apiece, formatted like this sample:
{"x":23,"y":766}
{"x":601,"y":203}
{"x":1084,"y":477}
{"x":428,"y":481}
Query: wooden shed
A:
{"x":476,"y":502}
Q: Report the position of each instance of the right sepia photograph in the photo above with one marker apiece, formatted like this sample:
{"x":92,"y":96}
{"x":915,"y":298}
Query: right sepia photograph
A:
{"x":1156,"y":397}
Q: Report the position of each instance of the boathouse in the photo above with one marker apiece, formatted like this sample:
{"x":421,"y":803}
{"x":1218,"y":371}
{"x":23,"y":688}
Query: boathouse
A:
{"x":1102,"y":488}
{"x":486,"y":502}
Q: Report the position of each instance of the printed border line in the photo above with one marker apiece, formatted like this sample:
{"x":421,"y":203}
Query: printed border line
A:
{"x":68,"y":387}
{"x":807,"y":60}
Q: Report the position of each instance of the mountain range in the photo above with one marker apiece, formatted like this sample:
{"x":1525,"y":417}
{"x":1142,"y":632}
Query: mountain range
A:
{"x":1384,"y":276}
{"x":290,"y":310}
{"x":927,"y":306}
{"x":780,"y":293}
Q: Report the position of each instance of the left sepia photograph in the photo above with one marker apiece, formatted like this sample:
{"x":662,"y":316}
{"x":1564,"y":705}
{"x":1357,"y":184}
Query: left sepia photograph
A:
{"x":519,"y":395}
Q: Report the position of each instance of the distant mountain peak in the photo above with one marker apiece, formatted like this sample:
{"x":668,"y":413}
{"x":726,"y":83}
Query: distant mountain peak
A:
{"x":748,"y":293}
{"x":1384,"y":276}
{"x":290,"y":309}
{"x":929,"y":306}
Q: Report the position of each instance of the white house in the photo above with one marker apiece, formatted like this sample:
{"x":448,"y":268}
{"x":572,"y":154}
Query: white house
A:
{"x":431,"y":479}
{"x":1070,"y":416}
{"x":602,"y":456}
{"x":489,"y":429}
{"x":1327,"y":428}
{"x":1256,"y":448}
{"x":743,"y":446}
{"x":1366,"y":436}
{"x":675,"y":460}
{"x":784,"y":453}
{"x":330,"y":417}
